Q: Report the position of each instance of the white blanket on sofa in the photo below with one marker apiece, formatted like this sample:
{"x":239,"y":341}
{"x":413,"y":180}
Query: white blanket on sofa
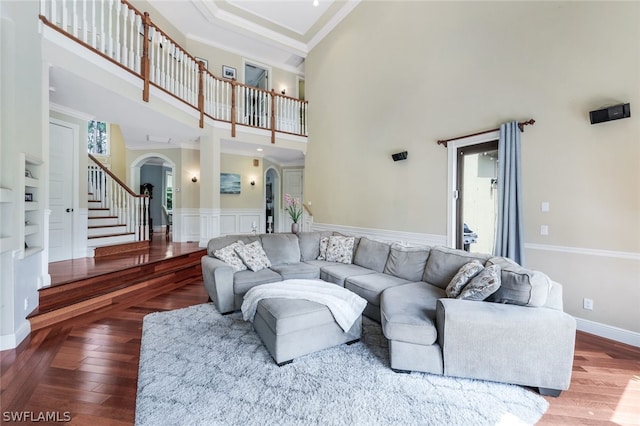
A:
{"x":345,"y":305}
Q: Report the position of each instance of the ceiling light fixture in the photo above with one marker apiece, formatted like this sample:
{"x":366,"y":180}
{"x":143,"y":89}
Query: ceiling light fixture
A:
{"x":316,"y":3}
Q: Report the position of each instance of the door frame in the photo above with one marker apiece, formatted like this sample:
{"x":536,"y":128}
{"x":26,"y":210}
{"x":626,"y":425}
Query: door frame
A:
{"x":452,"y":180}
{"x":276,"y":199}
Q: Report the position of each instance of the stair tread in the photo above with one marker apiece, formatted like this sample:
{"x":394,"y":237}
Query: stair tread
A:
{"x":106,"y":226}
{"x":103,"y":217}
{"x":111,"y":235}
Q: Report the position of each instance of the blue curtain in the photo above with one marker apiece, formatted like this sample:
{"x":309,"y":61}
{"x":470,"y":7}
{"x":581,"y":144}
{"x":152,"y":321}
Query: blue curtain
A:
{"x":509,"y":229}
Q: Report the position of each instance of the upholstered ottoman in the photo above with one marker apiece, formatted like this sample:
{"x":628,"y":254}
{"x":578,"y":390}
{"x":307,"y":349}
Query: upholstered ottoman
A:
{"x":290,"y":328}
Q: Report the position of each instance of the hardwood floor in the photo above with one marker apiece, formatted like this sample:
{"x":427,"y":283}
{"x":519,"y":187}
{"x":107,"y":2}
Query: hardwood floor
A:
{"x":87,"y":367}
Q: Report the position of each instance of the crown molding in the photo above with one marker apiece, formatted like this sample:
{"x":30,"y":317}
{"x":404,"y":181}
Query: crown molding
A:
{"x":70,"y":112}
{"x":333,"y":22}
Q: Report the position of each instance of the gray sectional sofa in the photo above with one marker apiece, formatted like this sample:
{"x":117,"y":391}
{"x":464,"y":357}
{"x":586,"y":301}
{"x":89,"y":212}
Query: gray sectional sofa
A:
{"x":518,"y":335}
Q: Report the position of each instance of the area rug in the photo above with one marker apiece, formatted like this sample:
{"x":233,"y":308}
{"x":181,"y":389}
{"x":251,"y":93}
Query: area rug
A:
{"x":198,"y":367}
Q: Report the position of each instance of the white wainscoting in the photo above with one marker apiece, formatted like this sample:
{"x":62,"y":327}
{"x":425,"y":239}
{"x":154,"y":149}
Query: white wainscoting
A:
{"x":209,"y":225}
{"x":240,"y":221}
{"x":186,"y":225}
{"x":401,"y":237}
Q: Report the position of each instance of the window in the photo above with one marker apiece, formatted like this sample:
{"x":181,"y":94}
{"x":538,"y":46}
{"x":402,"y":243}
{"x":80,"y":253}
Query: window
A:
{"x":97,"y":138}
{"x":168,"y":193}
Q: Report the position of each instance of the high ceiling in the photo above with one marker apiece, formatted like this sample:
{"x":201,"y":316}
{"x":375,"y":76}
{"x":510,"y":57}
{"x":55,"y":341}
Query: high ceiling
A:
{"x":280,"y":33}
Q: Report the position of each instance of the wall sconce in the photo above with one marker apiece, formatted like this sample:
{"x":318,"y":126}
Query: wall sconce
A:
{"x":253,"y":181}
{"x":284,"y":91}
{"x":194,"y":179}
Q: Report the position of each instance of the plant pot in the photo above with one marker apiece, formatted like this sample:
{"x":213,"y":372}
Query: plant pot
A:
{"x":295,"y":228}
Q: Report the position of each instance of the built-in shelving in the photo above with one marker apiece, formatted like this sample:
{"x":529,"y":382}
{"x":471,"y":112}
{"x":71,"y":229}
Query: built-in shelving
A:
{"x":7,"y":241}
{"x":31,"y":211}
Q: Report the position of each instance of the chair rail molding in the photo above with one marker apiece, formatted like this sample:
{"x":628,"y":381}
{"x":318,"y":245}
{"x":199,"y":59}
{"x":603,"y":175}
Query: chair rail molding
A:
{"x":401,"y":237}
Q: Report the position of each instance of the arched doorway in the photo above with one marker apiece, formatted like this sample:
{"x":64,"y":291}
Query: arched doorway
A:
{"x":272,"y":199}
{"x":156,"y":172}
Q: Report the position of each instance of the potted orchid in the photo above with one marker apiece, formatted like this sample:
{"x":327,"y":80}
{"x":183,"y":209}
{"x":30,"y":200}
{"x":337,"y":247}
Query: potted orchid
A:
{"x":294,"y":208}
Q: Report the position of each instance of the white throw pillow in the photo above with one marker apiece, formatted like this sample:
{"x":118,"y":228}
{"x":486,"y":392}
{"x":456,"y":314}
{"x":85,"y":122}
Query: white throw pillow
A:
{"x":483,"y":285}
{"x":462,"y":278}
{"x":340,"y":249}
{"x":228,"y":255}
{"x":324,"y":242}
{"x":253,"y":256}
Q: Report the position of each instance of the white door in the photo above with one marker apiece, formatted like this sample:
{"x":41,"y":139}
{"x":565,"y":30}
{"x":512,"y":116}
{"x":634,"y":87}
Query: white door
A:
{"x":292,"y":185}
{"x":61,"y":168}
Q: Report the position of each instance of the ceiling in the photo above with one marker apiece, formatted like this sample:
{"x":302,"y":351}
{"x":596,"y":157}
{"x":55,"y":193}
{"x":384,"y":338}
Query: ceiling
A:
{"x":278,"y":33}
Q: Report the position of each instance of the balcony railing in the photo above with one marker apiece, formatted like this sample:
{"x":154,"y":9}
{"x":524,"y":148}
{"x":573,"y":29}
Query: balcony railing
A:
{"x":120,"y":33}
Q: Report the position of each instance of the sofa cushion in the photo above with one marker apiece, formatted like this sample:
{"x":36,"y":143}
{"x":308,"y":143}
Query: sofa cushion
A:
{"x":482,"y":285}
{"x":371,"y":286}
{"x":340,"y":249}
{"x":462,"y":278}
{"x":407,"y":262}
{"x":408,"y":312}
{"x":244,"y":280}
{"x":444,"y":263}
{"x":372,"y":254}
{"x":337,"y":272}
{"x":281,"y":248}
{"x":309,"y":245}
{"x":229,"y":256}
{"x":253,"y":256}
{"x":297,"y":270}
{"x":520,"y":286}
{"x":293,"y":315}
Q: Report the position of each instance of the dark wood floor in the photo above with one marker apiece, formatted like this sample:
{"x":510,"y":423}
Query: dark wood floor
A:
{"x":88,"y":366}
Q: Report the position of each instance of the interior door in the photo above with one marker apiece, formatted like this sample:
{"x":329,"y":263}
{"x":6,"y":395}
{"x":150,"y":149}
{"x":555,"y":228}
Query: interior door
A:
{"x":61,"y":195}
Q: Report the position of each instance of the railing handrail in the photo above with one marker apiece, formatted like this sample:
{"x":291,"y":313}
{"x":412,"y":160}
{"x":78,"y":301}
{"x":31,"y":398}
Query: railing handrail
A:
{"x":115,"y":178}
{"x":139,"y":46}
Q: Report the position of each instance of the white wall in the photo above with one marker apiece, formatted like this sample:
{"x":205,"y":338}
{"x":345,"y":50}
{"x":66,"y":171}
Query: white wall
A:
{"x":401,"y":75}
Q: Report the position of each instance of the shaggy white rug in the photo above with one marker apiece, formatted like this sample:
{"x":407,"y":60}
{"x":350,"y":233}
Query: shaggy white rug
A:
{"x":198,"y":367}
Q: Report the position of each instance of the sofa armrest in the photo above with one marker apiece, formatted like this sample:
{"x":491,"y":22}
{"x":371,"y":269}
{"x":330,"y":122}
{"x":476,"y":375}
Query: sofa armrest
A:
{"x":218,"y":280}
{"x":506,"y":343}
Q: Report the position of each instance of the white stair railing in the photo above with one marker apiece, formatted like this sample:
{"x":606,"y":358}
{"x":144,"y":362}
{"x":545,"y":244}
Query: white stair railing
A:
{"x":118,"y":200}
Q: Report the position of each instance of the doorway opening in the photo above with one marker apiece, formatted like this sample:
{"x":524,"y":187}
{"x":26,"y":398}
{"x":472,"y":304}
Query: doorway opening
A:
{"x":156,"y":171}
{"x":477,"y":196}
{"x":272,"y":197}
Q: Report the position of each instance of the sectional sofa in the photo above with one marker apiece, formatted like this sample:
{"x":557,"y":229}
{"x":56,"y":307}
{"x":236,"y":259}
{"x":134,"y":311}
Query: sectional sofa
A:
{"x":518,"y":334}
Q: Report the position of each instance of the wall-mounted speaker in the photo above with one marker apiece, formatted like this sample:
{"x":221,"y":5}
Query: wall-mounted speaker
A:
{"x":615,"y":112}
{"x":399,"y":156}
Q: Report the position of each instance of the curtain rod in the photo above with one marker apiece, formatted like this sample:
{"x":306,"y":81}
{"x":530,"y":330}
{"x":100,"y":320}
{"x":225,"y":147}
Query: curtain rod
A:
{"x":520,"y":126}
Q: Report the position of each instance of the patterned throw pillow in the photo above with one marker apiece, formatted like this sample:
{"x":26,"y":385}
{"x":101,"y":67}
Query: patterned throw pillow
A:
{"x":228,"y":255}
{"x":324,"y":242}
{"x":340,"y":249}
{"x":462,"y":278}
{"x":483,"y":285}
{"x":253,"y":256}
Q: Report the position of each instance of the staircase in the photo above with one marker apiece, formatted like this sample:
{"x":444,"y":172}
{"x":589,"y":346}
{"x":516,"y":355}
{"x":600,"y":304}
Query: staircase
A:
{"x":117,"y":219}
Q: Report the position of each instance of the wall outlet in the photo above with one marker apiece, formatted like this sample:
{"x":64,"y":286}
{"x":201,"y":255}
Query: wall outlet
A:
{"x":587,"y":304}
{"x":544,"y":229}
{"x":544,"y":206}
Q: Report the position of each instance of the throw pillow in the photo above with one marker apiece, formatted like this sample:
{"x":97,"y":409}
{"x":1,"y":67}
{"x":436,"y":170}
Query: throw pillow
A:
{"x":340,"y":249}
{"x":253,"y":256}
{"x":520,"y":286}
{"x":324,"y":242}
{"x":482,"y":285}
{"x":228,"y":255}
{"x":462,"y":278}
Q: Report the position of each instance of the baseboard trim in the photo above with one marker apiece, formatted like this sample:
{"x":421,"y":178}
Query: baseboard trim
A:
{"x":11,"y":341}
{"x":609,"y":332}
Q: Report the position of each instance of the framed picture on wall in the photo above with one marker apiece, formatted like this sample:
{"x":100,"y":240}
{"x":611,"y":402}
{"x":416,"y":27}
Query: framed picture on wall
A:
{"x":228,"y":72}
{"x":204,"y":61}
{"x":229,"y":183}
